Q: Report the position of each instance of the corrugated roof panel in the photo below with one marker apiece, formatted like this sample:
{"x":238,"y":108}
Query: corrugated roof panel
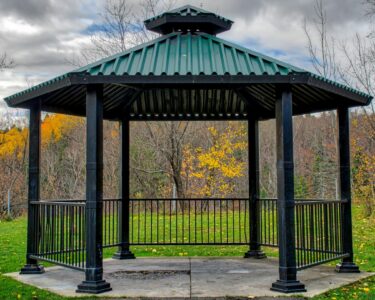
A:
{"x":186,"y":54}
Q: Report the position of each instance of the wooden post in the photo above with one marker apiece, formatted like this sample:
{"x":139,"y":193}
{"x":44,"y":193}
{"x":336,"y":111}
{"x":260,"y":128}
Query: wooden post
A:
{"x":253,"y":159}
{"x":343,"y":127}
{"x":123,"y":251}
{"x":32,"y":266}
{"x":94,"y":282}
{"x":287,"y":282}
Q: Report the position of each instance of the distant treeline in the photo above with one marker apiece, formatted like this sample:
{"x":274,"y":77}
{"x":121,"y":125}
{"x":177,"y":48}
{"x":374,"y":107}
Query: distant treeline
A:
{"x":188,"y":159}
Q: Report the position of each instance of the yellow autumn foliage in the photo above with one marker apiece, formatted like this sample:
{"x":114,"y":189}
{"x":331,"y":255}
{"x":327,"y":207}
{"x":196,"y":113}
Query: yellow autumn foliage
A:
{"x":214,"y":169}
{"x":12,"y":142}
{"x":53,"y":128}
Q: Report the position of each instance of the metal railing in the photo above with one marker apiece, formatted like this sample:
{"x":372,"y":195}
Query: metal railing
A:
{"x":60,"y":232}
{"x":317,"y":229}
{"x":267,"y":210}
{"x":180,"y":222}
{"x":318,"y":232}
{"x":60,"y":226}
{"x":110,"y":222}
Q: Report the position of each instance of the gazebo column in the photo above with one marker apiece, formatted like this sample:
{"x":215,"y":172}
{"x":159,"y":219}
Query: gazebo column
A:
{"x":253,"y":160}
{"x":94,"y":282}
{"x":32,"y":266}
{"x":123,"y":251}
{"x":347,"y":265}
{"x":287,"y":282}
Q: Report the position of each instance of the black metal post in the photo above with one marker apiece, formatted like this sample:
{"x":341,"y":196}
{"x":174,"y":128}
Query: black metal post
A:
{"x":94,"y":282}
{"x":32,"y":266}
{"x":123,"y":251}
{"x":253,"y":159}
{"x":343,"y":127}
{"x":287,"y":282}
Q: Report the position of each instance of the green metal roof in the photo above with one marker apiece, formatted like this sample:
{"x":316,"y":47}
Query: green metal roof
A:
{"x":188,"y":54}
{"x":178,"y":54}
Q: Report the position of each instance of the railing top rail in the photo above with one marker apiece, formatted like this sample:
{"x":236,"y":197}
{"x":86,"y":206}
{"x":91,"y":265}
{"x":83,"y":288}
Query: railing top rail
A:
{"x":61,"y":203}
{"x":307,"y":202}
{"x":187,"y":199}
{"x":300,"y":201}
{"x":62,"y":200}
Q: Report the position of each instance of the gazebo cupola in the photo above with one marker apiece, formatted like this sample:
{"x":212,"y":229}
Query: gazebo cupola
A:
{"x":188,"y":19}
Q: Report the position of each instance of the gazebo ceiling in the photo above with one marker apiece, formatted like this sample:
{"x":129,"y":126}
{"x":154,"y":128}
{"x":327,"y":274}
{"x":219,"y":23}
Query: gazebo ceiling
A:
{"x":189,"y":74}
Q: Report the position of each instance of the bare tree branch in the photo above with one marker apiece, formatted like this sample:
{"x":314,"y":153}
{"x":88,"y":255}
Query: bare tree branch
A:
{"x":5,"y":61}
{"x":120,"y":27}
{"x":323,"y":55}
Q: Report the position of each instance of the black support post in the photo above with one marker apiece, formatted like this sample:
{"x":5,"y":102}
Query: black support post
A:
{"x":32,"y":266}
{"x":253,"y":159}
{"x":94,"y":282}
{"x":343,"y":126}
{"x":123,"y":251}
{"x":287,"y":282}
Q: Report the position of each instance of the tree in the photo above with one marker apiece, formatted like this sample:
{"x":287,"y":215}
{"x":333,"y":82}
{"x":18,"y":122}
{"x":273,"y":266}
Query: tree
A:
{"x":168,"y":140}
{"x":323,"y":51}
{"x":121,"y":27}
{"x":363,"y":162}
{"x":357,"y":69}
{"x":213,"y":171}
{"x":5,"y":61}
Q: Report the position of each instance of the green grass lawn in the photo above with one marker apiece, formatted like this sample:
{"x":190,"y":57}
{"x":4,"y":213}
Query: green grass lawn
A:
{"x":13,"y":245}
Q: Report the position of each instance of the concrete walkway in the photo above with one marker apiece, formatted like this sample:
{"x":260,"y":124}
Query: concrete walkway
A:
{"x":189,"y":278}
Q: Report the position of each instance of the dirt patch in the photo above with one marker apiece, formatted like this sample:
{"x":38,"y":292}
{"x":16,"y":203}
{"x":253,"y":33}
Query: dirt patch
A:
{"x":149,"y":274}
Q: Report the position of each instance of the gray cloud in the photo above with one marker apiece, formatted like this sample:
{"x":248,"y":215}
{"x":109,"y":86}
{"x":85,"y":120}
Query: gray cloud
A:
{"x":27,"y":10}
{"x":41,"y":11}
{"x":338,"y":11}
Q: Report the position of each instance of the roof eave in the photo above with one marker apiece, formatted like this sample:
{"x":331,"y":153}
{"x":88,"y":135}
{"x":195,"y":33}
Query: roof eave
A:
{"x":327,"y":85}
{"x":17,"y":99}
{"x":191,"y":80}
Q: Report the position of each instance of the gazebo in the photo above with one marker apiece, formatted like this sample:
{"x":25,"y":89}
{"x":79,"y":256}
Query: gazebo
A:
{"x":188,"y":73}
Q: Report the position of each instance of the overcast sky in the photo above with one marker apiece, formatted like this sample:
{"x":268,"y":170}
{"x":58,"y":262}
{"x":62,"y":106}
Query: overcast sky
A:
{"x":41,"y":34}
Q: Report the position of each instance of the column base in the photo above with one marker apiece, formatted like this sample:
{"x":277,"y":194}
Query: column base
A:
{"x":288,"y":286}
{"x":32,"y":269}
{"x":94,"y":287}
{"x":258,"y":254}
{"x":347,"y":267}
{"x":124,"y":254}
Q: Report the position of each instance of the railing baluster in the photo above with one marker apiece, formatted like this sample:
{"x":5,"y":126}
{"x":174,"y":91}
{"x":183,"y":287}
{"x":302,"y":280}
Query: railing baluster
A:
{"x":195,"y":221}
{"x":239,"y":220}
{"x":164,"y":217}
{"x":189,"y":214}
{"x":221,"y":222}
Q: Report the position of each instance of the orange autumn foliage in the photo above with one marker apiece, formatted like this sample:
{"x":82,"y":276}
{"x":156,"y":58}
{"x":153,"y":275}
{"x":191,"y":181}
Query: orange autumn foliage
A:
{"x":53,"y":128}
{"x":12,"y":143}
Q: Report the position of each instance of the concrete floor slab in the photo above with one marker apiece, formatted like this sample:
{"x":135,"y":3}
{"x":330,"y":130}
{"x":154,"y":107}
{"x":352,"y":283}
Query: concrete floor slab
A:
{"x":189,"y":277}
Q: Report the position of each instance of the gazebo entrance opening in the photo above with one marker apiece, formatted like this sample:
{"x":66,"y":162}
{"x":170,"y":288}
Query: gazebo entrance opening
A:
{"x":189,"y":74}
